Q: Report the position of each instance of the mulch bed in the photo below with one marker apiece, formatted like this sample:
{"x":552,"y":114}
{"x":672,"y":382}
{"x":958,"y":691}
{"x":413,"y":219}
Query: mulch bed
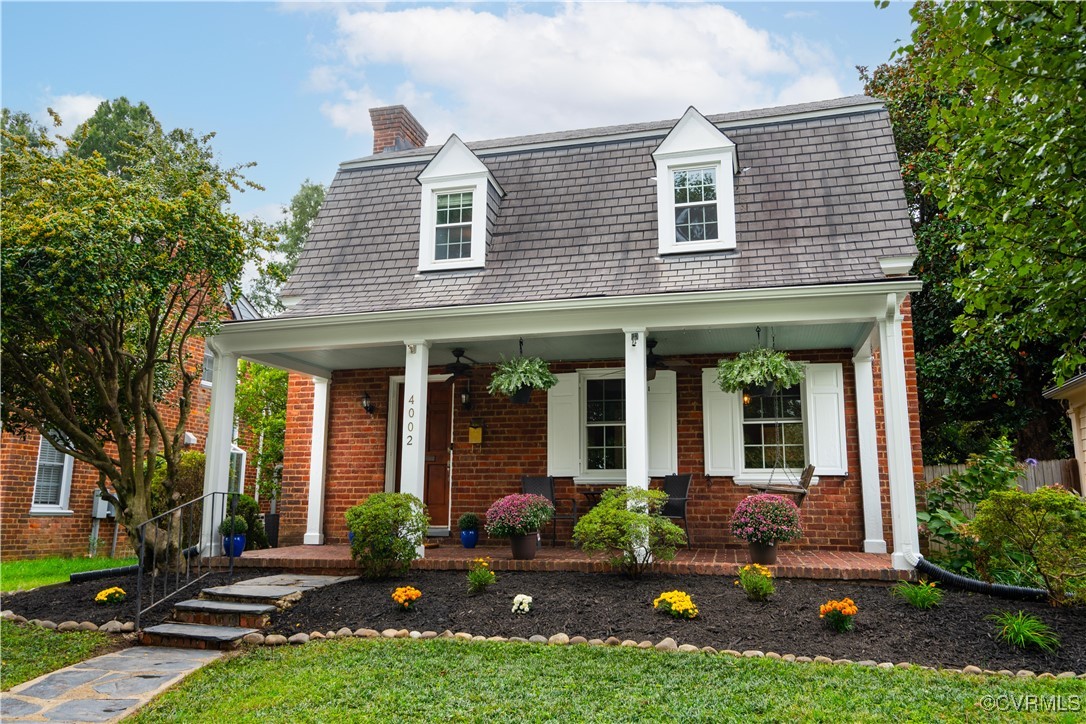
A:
{"x":596,"y":605}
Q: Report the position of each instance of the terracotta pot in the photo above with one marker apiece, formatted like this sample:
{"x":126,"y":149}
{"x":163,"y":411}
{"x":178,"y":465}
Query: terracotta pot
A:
{"x":765,"y":554}
{"x":524,"y":546}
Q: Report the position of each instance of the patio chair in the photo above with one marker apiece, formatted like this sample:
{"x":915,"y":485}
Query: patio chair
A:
{"x":544,"y":485}
{"x":677,"y":488}
{"x":800,"y":489}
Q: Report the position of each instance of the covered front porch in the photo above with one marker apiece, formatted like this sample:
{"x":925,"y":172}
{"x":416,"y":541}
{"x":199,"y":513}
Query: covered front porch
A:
{"x":373,"y":383}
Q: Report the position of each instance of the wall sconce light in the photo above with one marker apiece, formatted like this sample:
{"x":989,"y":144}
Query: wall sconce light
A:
{"x":465,"y":396}
{"x":367,"y":404}
{"x":746,"y":398}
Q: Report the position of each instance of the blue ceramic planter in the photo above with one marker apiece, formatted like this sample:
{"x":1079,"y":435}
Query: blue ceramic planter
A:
{"x":469,"y":538}
{"x":233,"y":545}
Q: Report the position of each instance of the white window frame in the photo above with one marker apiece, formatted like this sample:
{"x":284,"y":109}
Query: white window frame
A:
{"x":61,"y":507}
{"x":237,"y":453}
{"x":771,"y":473}
{"x":475,"y":184}
{"x":208,"y":369}
{"x":721,"y":162}
{"x":590,"y":477}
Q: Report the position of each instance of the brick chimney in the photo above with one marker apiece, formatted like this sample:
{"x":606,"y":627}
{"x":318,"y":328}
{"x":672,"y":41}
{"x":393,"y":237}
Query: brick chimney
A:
{"x":395,"y":129}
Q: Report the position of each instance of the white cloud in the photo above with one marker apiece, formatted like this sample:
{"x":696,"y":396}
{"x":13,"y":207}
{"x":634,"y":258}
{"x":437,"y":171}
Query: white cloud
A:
{"x":72,"y":109}
{"x":482,"y":75}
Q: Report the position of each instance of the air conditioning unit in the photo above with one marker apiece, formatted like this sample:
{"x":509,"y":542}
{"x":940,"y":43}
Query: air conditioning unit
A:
{"x":101,"y":508}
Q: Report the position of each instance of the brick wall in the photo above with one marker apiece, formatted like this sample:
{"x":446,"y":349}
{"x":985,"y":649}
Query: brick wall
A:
{"x":515,"y":444}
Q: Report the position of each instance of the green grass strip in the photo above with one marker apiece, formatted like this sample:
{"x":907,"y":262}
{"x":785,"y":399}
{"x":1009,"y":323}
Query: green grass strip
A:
{"x":399,"y":680}
{"x":24,"y":575}
{"x":27,"y":652}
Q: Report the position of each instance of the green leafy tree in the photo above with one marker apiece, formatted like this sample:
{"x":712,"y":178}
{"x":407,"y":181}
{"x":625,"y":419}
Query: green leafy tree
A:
{"x":20,"y":124}
{"x":1014,"y":133}
{"x":108,"y":277}
{"x":292,"y":231}
{"x":261,"y":408}
{"x":116,"y":131}
{"x":972,"y":390}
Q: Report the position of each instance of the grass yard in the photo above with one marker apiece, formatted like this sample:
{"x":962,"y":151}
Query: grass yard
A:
{"x":24,"y":575}
{"x":395,"y":680}
{"x":27,"y":652}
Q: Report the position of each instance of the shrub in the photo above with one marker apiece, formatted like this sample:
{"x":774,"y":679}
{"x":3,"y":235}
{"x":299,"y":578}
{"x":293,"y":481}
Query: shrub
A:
{"x":627,"y":524}
{"x":479,"y":575}
{"x":950,"y":500}
{"x":111,"y":596}
{"x":189,"y":484}
{"x":838,"y":614}
{"x":388,"y":530}
{"x":1048,"y":527}
{"x":1023,"y":630}
{"x":468,"y":521}
{"x":757,"y":581}
{"x":766,"y":519}
{"x":405,"y":597}
{"x":518,"y":514}
{"x":233,"y":525}
{"x":918,"y":595}
{"x":678,"y":604}
{"x":249,"y":509}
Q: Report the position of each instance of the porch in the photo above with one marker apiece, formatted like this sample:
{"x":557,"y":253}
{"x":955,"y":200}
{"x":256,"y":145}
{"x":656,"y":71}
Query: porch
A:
{"x":810,"y":564}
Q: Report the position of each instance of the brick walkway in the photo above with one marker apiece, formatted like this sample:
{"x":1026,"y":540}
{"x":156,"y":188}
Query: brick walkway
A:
{"x":834,"y":565}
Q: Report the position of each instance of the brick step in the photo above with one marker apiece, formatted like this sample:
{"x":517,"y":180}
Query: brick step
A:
{"x":223,"y":613}
{"x":194,"y":636}
{"x":279,"y":596}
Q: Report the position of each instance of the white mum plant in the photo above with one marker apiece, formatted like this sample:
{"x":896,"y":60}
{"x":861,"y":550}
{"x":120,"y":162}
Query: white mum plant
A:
{"x":522,"y":603}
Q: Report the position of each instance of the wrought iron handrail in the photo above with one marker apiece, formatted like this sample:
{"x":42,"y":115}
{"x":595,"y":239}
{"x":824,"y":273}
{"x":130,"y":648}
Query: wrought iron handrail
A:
{"x":206,"y":513}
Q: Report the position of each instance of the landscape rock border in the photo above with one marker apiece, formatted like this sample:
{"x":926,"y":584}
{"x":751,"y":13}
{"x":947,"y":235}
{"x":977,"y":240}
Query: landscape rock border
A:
{"x":559,"y":639}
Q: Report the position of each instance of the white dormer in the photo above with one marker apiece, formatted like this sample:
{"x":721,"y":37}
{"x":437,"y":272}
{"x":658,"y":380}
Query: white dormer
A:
{"x":695,"y":187}
{"x":456,"y":187}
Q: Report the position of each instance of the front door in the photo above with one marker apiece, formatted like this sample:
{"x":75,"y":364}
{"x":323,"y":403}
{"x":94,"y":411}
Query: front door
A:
{"x":438,"y":446}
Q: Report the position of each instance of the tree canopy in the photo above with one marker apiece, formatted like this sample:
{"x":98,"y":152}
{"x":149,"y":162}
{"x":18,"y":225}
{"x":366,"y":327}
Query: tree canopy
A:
{"x":112,"y":267}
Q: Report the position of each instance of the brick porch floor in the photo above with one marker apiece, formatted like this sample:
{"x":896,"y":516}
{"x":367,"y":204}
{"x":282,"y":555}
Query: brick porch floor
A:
{"x":336,"y":559}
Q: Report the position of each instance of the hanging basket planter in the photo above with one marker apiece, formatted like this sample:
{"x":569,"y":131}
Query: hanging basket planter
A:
{"x":758,"y":368}
{"x":518,"y":376}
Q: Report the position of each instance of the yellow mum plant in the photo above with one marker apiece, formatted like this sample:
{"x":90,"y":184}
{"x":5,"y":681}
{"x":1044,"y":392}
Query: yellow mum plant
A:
{"x":676,"y":603}
{"x":111,"y":596}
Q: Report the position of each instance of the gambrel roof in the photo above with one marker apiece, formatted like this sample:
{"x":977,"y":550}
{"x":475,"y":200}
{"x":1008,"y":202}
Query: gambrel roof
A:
{"x":819,"y":200}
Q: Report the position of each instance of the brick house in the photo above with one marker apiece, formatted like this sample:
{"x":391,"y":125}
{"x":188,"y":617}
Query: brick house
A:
{"x":47,"y":499}
{"x":632,"y":258}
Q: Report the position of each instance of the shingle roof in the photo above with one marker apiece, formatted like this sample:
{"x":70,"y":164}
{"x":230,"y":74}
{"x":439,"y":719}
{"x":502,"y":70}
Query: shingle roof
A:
{"x":820,"y":201}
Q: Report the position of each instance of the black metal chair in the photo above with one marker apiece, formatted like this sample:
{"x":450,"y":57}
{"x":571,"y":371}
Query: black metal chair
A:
{"x":677,"y":488}
{"x":544,"y":485}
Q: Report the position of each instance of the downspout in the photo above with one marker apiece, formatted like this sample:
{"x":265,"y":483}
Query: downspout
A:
{"x":999,"y":590}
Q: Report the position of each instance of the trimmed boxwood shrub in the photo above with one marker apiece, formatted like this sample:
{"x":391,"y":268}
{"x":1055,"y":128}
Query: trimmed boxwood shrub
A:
{"x":388,"y":529}
{"x":249,"y":509}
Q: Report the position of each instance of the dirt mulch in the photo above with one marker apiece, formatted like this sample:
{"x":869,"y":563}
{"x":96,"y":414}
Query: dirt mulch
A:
{"x":593,"y":605}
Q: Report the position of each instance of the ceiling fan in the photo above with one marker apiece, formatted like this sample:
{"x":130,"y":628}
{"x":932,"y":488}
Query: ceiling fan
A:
{"x":654,"y":362}
{"x":459,"y":368}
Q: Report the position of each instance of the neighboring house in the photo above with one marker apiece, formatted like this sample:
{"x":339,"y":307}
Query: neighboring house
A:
{"x":47,"y":499}
{"x":706,"y":236}
{"x":1074,"y":392}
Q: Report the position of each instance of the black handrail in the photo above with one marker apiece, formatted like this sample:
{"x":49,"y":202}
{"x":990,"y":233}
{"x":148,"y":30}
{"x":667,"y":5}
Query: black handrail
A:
{"x":211,"y":512}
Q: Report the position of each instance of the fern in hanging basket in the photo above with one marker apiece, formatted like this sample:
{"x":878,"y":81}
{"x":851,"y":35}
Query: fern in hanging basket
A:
{"x":756,"y":368}
{"x":519,"y":372}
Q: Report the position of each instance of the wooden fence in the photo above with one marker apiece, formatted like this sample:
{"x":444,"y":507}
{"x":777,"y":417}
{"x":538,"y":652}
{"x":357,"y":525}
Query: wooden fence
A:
{"x":1045,"y":472}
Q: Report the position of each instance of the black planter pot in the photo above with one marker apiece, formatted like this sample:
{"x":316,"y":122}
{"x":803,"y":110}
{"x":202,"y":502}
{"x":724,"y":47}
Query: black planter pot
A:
{"x":522,"y":396}
{"x":271,"y":527}
{"x":766,"y":390}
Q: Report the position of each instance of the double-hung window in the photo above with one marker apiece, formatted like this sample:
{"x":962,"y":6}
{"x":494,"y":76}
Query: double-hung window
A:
{"x":452,"y":231}
{"x":773,"y":433}
{"x":52,"y":481}
{"x":695,"y":204}
{"x":605,"y":424}
{"x":209,"y":368}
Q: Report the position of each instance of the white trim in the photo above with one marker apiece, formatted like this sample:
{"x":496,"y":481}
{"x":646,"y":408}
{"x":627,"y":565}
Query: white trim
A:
{"x":870,"y":485}
{"x":586,"y":476}
{"x":318,"y":450}
{"x":604,"y":137}
{"x":896,"y":266}
{"x":780,"y":476}
{"x":220,"y":435}
{"x":477,"y":186}
{"x":637,"y":409}
{"x":64,"y":493}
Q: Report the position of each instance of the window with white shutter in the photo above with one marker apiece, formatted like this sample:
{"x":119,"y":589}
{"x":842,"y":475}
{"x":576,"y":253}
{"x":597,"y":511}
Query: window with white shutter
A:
{"x":53,"y":480}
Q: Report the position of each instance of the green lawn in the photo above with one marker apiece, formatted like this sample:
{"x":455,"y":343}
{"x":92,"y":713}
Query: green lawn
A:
{"x":27,"y":652}
{"x":23,"y":575}
{"x":383,"y":680}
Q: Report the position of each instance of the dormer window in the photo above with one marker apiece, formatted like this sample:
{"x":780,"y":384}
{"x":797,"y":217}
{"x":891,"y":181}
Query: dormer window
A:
{"x":695,"y":189}
{"x":459,"y":195}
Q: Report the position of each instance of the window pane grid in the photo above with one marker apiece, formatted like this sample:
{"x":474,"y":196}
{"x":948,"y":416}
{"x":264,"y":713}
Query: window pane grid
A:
{"x":773,"y":431}
{"x":49,"y":483}
{"x":605,"y":420}
{"x":452,"y":239}
{"x":695,"y":204}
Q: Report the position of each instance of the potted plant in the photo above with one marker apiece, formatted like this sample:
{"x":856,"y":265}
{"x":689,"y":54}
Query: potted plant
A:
{"x":469,"y":529}
{"x":764,"y":520}
{"x":233,"y":529}
{"x":761,"y":367}
{"x":518,"y":376}
{"x":519,"y":518}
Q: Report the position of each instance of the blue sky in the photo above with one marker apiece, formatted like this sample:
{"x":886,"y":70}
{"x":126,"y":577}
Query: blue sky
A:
{"x":288,"y":85}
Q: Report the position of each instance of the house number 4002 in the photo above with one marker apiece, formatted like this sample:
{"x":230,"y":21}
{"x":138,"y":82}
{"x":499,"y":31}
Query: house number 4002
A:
{"x":409,"y":414}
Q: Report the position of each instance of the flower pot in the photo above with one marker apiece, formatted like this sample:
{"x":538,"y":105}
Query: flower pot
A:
{"x":524,"y":546}
{"x":763,"y":553}
{"x":522,"y":396}
{"x":233,"y":545}
{"x":468,"y":538}
{"x":271,"y":527}
{"x":350,"y":537}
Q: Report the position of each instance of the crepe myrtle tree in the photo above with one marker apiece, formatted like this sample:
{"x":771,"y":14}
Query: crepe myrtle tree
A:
{"x":109,"y":278}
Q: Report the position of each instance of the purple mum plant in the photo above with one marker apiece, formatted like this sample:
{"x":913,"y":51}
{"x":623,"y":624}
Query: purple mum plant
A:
{"x":518,"y":514}
{"x":766,"y":519}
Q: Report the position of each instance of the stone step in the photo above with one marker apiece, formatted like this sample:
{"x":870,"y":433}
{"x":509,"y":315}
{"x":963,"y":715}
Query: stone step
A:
{"x":194,"y":636}
{"x":223,"y":613}
{"x":273,"y":595}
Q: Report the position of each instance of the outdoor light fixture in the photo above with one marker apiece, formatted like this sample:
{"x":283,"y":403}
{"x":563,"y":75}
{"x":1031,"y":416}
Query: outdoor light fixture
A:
{"x":465,"y":397}
{"x":367,"y":404}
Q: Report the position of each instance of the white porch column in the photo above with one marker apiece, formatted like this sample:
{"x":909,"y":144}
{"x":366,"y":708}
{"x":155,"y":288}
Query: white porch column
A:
{"x":413,"y":434}
{"x":220,"y":433}
{"x":637,"y":410}
{"x":318,"y":447}
{"x":869,"y":451}
{"x":899,"y":449}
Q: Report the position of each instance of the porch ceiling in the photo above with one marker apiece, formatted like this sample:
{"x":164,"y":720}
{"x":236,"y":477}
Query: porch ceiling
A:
{"x":672,"y":342}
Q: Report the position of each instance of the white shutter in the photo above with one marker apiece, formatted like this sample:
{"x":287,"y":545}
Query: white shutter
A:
{"x":663,"y":425}
{"x":720,"y":413}
{"x":564,"y":427}
{"x":824,"y":417}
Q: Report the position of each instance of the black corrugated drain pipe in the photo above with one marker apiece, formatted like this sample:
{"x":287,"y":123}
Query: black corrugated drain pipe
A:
{"x":1015,"y":593}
